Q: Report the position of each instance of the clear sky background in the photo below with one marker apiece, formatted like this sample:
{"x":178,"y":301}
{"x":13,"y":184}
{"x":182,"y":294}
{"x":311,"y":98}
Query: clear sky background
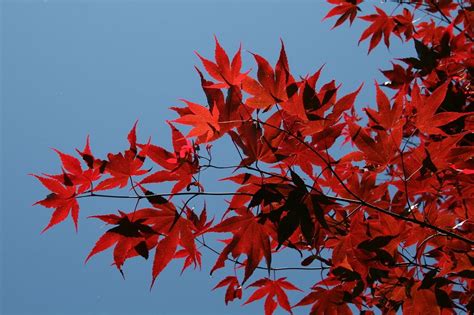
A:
{"x":73,"y":68}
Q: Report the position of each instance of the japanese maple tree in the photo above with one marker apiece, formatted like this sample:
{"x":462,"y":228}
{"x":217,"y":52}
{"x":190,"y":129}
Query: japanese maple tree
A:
{"x":387,"y":226}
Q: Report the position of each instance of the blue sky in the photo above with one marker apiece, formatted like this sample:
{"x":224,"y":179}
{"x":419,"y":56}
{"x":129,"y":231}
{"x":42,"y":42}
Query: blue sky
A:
{"x":75,"y":68}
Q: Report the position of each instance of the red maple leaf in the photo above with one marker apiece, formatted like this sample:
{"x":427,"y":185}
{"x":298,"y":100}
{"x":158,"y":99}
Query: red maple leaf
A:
{"x":131,"y":237}
{"x":138,"y":232}
{"x":445,"y":6}
{"x":427,"y":120}
{"x":386,"y":117}
{"x":326,"y":301}
{"x":223,"y":70}
{"x":96,"y":167}
{"x":200,"y":226}
{"x":271,"y":289}
{"x":234,"y":289}
{"x":179,"y":165}
{"x":347,"y":9}
{"x":404,"y":24}
{"x":66,"y":186}
{"x":272,"y":86}
{"x":205,"y":123}
{"x":257,"y":144}
{"x":378,"y":152}
{"x":122,"y":166}
{"x":231,"y":109}
{"x":174,"y":229}
{"x":250,"y":237}
{"x":398,"y":77}
{"x":423,"y":301}
{"x":73,"y":171}
{"x":62,"y":198}
{"x":382,"y":25}
{"x":189,"y":259}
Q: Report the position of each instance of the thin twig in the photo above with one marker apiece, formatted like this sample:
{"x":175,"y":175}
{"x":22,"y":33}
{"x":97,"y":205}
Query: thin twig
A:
{"x":259,"y":267}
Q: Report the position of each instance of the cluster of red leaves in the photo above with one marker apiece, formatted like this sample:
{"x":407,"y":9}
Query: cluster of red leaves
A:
{"x":390,"y":224}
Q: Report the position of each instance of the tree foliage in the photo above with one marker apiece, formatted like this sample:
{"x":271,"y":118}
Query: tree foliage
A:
{"x":387,"y":226}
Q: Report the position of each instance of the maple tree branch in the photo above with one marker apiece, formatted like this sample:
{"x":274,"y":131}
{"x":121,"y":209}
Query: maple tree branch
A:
{"x":220,"y":167}
{"x":259,"y":267}
{"x":405,"y":183}
{"x":420,"y":223}
{"x":413,"y":5}
{"x":178,"y":215}
{"x":237,"y":148}
{"x":394,"y":9}
{"x":458,"y":190}
{"x":414,"y":263}
{"x":363,"y":202}
{"x":328,"y":164}
{"x":165,"y":195}
{"x":347,"y":217}
{"x":443,"y":17}
{"x":195,"y":194}
{"x":358,"y":200}
{"x":133,"y":186}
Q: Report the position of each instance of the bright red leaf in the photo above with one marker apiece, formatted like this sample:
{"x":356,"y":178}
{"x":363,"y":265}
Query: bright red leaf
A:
{"x":347,"y":9}
{"x":272,"y":289}
{"x":62,"y":198}
{"x":250,"y":237}
{"x":382,"y":26}
{"x":223,"y":70}
{"x":234,"y":289}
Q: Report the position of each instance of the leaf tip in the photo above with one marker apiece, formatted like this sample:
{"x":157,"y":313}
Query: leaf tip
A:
{"x":152,"y":283}
{"x":46,"y":228}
